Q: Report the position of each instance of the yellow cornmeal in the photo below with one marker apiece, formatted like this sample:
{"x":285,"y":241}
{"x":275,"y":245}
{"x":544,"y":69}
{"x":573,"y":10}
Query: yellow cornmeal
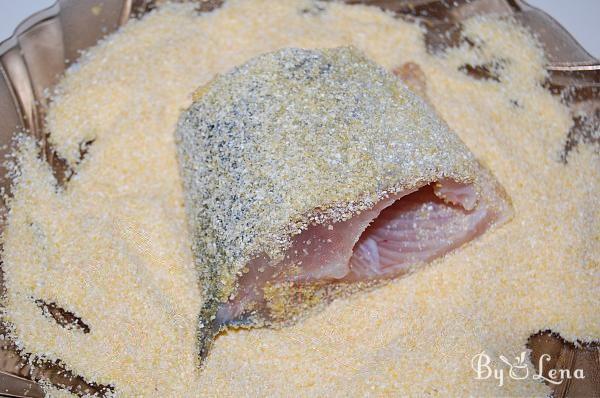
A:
{"x":113,"y":248}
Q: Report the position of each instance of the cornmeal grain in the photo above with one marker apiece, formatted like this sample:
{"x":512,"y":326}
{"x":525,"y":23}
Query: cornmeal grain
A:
{"x":113,"y":247}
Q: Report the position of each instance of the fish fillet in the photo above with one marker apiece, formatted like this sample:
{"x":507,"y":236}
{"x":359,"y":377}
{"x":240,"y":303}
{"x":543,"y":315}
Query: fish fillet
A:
{"x":310,"y":173}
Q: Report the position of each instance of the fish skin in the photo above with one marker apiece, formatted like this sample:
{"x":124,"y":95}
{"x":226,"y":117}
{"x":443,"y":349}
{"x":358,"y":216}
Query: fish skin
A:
{"x":297,"y":138}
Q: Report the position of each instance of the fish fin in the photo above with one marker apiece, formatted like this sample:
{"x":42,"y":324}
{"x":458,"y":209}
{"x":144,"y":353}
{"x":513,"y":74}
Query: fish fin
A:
{"x":208,"y":329}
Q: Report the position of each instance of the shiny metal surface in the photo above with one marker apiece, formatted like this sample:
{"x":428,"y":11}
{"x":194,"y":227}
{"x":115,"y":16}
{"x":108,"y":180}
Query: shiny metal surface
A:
{"x":46,"y":43}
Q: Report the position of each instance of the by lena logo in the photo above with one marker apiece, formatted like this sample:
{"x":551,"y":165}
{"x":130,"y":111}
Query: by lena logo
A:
{"x":519,"y":370}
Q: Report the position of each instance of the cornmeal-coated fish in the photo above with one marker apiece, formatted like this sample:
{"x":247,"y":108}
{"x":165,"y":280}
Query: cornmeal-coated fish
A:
{"x":313,"y":172}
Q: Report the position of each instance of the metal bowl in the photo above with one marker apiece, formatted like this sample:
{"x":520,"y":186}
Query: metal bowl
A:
{"x":45,"y":44}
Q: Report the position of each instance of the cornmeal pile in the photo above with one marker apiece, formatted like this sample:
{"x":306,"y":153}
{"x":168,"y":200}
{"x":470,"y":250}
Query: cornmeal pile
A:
{"x":112,"y":245}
